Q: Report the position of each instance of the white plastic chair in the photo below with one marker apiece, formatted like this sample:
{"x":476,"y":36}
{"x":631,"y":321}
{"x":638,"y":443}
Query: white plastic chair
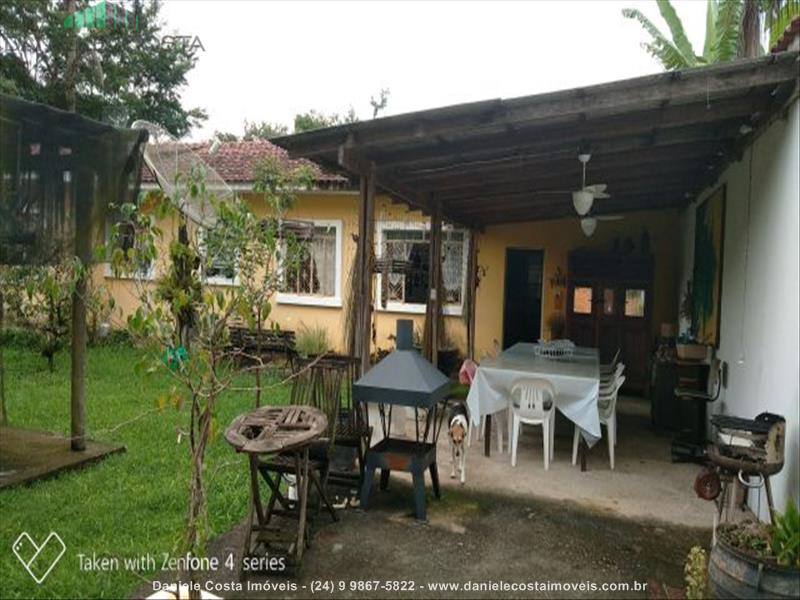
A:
{"x":537,"y":404}
{"x":609,"y":368}
{"x":607,"y":408}
{"x":607,"y":381}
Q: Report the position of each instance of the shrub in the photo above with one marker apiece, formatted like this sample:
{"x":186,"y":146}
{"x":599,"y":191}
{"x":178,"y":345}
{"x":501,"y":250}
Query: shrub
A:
{"x":312,"y":341}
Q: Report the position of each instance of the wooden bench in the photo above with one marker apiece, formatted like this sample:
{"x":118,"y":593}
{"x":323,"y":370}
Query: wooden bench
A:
{"x":267,"y":342}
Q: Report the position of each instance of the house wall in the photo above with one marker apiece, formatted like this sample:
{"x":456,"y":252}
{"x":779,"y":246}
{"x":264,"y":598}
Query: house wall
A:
{"x":760,"y":298}
{"x":341,"y":207}
{"x":557,"y":238}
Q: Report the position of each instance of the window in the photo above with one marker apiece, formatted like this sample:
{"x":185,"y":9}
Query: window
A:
{"x":315,"y":278}
{"x":125,"y":241}
{"x":634,"y":303}
{"x":582,"y":301}
{"x":407,"y":291}
{"x":220,"y":267}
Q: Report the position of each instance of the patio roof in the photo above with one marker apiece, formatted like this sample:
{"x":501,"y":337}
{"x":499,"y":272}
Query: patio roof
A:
{"x":656,"y":141}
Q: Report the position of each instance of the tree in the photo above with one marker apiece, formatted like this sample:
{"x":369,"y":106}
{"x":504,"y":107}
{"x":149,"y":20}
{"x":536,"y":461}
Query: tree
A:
{"x":263,"y":130}
{"x":733,"y":30}
{"x":379,"y":104}
{"x":225,"y":136}
{"x":317,"y":120}
{"x":209,"y":367}
{"x":39,"y":300}
{"x":115,"y":73}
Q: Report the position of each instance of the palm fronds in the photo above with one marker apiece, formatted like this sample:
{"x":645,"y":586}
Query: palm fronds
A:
{"x":675,"y":25}
{"x":659,"y":46}
{"x":728,"y":26}
{"x":712,"y":8}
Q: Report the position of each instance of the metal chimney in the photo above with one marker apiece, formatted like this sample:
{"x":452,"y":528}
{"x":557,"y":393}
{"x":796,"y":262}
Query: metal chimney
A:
{"x":403,"y":378}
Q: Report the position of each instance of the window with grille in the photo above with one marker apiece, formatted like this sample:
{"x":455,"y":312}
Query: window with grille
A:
{"x":412,"y":245}
{"x":125,"y":240}
{"x":314,"y":271}
{"x":219,"y":262}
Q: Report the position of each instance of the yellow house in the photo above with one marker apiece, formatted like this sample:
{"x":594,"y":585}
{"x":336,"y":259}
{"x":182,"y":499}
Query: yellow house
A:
{"x":318,"y":297}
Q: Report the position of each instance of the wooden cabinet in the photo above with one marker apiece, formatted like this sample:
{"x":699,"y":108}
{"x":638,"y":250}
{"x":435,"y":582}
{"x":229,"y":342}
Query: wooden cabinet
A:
{"x":609,"y":306}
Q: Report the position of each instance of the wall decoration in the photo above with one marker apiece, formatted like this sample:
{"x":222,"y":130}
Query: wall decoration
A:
{"x":709,"y":234}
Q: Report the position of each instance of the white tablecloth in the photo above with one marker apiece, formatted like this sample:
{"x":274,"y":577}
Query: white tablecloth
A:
{"x":576,"y":380}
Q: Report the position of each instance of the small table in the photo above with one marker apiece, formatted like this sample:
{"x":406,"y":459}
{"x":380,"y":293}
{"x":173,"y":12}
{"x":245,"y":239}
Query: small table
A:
{"x":575,"y":378}
{"x":283,"y":435}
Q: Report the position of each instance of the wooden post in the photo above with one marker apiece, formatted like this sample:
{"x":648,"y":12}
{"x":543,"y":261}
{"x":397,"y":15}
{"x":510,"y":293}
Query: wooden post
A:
{"x":3,"y":412}
{"x":434,"y":286}
{"x":366,"y":234}
{"x":82,"y":201}
{"x":472,"y":291}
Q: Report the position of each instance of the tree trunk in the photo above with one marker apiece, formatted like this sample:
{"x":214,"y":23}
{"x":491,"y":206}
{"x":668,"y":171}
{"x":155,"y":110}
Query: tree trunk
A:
{"x":196,"y":528}
{"x":258,"y":357}
{"x":185,"y":316}
{"x":78,"y":385}
{"x":750,"y":34}
{"x":3,"y":413}
{"x":71,"y":70}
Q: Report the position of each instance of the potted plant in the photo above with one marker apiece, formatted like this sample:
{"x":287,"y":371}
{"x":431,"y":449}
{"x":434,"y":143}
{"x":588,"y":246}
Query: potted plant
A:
{"x":753,"y":559}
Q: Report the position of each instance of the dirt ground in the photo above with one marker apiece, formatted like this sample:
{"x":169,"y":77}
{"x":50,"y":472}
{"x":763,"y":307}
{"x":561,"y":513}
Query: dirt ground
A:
{"x":471,"y":537}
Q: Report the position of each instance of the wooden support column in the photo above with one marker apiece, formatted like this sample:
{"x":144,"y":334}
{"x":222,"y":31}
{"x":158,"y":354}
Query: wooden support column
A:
{"x":472,"y":291}
{"x":82,"y":202}
{"x":434,"y":286}
{"x":3,"y":412}
{"x":366,"y":236}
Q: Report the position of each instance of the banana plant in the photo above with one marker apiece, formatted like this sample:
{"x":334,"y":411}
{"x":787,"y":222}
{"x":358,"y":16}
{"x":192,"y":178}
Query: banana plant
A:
{"x":733,"y":30}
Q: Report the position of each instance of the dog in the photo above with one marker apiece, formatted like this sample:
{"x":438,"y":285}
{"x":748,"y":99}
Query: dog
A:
{"x":458,"y":429}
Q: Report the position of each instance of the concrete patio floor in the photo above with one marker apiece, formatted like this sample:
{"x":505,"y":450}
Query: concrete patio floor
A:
{"x":521,"y":524}
{"x":472,"y":537}
{"x":645,"y":484}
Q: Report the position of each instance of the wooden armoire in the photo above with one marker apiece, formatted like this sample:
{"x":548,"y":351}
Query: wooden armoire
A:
{"x":609,"y":306}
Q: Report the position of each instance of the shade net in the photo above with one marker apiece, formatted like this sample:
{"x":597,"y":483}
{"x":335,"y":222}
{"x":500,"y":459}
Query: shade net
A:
{"x":60,"y":172}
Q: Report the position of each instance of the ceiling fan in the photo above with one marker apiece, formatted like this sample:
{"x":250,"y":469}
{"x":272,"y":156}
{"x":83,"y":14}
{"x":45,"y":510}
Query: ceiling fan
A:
{"x":589,"y":222}
{"x":584,"y":198}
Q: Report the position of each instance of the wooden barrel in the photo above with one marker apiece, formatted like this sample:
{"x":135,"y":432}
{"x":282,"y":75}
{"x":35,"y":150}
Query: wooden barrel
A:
{"x":732,"y":574}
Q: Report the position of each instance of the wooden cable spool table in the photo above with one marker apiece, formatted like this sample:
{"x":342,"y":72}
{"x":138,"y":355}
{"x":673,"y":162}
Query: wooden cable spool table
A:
{"x":277,"y":440}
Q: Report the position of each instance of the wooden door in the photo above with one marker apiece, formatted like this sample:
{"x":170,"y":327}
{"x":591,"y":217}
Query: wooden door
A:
{"x":522,"y":305}
{"x":609,"y":300}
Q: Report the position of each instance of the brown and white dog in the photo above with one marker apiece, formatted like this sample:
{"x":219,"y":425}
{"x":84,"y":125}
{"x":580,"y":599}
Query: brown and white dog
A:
{"x":458,"y":430}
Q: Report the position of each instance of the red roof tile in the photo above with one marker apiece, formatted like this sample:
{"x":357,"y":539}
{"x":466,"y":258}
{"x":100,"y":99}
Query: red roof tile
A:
{"x":235,"y":161}
{"x":789,"y":34}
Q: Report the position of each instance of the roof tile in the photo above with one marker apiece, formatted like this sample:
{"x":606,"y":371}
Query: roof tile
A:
{"x":235,"y":161}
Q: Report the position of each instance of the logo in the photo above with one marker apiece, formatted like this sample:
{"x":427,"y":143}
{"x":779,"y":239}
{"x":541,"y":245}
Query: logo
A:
{"x":108,"y":15}
{"x":102,"y":15}
{"x":39,"y":560}
{"x":186,"y":42}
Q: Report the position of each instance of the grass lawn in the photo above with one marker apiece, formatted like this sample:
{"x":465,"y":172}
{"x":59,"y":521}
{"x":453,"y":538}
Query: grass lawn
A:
{"x":127,"y":505}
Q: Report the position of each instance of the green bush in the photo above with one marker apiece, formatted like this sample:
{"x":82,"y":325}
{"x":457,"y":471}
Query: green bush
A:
{"x":785,"y":542}
{"x":312,"y":341}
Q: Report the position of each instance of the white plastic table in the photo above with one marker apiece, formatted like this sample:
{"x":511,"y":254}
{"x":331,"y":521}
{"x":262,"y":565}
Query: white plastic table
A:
{"x":576,"y":380}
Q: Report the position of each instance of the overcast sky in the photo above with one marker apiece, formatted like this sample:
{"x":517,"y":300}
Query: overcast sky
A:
{"x":267,"y":60}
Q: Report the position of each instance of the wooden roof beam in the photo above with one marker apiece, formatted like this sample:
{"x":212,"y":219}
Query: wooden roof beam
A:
{"x":568,"y":167}
{"x":633,"y":204}
{"x":593,"y":133}
{"x":604,"y":99}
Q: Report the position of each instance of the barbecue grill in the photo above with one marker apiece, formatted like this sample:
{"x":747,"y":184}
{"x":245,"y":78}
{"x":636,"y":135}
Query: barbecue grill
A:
{"x":404,"y":379}
{"x":743,"y":448}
